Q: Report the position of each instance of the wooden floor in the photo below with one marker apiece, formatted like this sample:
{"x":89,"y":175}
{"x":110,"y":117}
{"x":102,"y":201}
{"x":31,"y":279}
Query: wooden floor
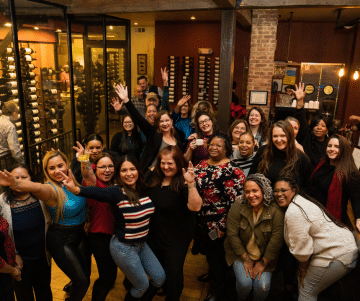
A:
{"x":193,"y":290}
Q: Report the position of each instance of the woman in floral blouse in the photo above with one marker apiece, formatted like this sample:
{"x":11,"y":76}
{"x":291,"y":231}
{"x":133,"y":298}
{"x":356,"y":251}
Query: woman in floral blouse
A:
{"x":218,"y":183}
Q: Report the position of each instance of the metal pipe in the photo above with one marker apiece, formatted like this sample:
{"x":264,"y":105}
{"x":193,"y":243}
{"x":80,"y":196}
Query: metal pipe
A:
{"x":289,"y":37}
{"x":106,"y":86}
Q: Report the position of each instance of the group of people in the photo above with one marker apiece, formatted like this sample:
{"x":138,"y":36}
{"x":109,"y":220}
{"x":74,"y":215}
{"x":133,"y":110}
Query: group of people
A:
{"x":171,"y":177}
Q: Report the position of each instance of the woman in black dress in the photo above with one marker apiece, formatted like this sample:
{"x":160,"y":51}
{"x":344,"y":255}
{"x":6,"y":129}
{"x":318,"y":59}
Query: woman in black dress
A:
{"x":173,"y":223}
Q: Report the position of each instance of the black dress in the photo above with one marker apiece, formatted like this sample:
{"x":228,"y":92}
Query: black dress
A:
{"x":171,"y":230}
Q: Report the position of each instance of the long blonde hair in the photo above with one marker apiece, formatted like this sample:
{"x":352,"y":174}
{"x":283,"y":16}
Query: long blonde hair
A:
{"x":60,"y":194}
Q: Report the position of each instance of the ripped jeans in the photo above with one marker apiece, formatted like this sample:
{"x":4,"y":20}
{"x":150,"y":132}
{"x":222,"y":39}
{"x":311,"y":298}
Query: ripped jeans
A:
{"x":244,"y":283}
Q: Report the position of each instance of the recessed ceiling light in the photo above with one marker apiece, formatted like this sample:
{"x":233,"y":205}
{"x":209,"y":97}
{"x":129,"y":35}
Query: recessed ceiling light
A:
{"x":36,"y":28}
{"x":192,"y":18}
{"x":8,"y":24}
{"x":58,"y":30}
{"x":111,"y":28}
{"x":135,"y":23}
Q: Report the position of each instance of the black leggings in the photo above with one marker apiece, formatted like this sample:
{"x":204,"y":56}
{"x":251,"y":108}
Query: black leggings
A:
{"x":69,"y":247}
{"x":106,"y":266}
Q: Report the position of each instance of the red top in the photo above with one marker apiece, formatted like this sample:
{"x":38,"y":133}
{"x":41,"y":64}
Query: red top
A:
{"x":101,"y":217}
{"x":7,"y":244}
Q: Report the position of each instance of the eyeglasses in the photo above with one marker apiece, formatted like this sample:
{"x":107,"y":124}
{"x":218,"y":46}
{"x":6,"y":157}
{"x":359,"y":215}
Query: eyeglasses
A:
{"x":280,"y":191}
{"x":128,"y":122}
{"x":110,"y":167}
{"x":204,"y":121}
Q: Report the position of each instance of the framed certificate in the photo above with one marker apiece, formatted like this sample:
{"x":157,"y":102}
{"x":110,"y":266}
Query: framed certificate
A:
{"x":258,"y":97}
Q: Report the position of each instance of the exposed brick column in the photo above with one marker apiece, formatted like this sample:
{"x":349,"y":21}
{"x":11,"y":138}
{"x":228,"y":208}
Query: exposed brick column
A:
{"x":262,"y":52}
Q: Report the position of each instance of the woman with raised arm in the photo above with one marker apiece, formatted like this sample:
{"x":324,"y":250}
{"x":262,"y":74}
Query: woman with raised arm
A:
{"x":132,"y":210}
{"x":66,"y":239}
{"x":100,"y":226}
{"x":28,"y":221}
{"x":182,"y":119}
{"x":324,"y":247}
{"x":255,"y":232}
{"x":157,"y":137}
{"x":173,"y":223}
{"x":336,"y":179}
{"x":94,"y":146}
{"x":313,"y":138}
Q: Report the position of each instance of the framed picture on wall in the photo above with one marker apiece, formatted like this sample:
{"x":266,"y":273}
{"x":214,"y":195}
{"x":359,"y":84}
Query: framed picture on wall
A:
{"x":258,"y":97}
{"x":142,"y":64}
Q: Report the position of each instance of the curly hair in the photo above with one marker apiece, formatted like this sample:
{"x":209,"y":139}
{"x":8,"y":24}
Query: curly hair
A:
{"x":227,"y":142}
{"x":265,"y":186}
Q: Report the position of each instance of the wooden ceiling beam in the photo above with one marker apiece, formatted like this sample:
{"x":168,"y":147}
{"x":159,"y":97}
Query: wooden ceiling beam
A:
{"x":225,"y":3}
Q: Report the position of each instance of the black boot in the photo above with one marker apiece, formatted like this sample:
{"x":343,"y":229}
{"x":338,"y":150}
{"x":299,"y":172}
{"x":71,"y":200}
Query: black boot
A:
{"x":130,"y":297}
{"x":150,"y":293}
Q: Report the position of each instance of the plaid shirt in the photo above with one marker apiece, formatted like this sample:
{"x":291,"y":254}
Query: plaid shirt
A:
{"x":9,"y":141}
{"x":139,"y":105}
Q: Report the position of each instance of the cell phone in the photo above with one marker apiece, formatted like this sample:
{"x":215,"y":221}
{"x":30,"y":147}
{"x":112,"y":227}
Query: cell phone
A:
{"x":213,"y":234}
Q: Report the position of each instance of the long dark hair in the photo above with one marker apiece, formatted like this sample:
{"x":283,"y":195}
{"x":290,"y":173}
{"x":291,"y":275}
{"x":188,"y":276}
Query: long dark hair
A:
{"x":292,"y":153}
{"x":293,"y":185}
{"x":9,"y":195}
{"x":133,"y":195}
{"x":345,"y":167}
{"x":123,"y":147}
{"x":263,"y":123}
{"x":177,"y":182}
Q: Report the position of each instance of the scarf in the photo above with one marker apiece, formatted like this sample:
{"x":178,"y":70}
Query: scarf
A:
{"x":333,"y":202}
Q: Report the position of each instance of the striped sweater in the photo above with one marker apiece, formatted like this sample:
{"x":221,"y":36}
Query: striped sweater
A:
{"x":131,"y":222}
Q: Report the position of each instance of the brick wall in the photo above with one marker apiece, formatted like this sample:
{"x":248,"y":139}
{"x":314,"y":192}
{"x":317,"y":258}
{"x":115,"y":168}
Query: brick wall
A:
{"x":262,"y":52}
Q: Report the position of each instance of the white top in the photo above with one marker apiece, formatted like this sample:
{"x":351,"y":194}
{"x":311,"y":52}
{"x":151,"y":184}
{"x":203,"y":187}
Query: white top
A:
{"x":314,"y":234}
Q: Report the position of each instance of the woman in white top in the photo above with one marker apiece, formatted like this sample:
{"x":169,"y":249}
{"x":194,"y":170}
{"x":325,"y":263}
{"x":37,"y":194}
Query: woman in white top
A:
{"x":325,"y":248}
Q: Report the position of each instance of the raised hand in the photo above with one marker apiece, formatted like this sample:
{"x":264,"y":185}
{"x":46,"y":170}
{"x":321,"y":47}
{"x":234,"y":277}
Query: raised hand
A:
{"x":79,"y":149}
{"x":189,"y":175}
{"x":117,"y":105}
{"x":122,"y":92}
{"x":7,"y":179}
{"x":183,"y":100}
{"x":165,"y":75}
{"x":299,"y":91}
{"x":69,"y":183}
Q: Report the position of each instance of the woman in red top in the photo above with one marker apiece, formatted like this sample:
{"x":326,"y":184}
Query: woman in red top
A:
{"x":7,"y":263}
{"x":101,"y":221}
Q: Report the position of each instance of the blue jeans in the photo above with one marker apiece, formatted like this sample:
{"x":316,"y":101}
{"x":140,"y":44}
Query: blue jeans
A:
{"x":137,"y":261}
{"x":319,"y":278}
{"x":244,"y":283}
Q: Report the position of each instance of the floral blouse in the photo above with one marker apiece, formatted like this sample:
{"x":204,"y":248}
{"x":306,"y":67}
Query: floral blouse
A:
{"x":218,"y":186}
{"x":7,"y":250}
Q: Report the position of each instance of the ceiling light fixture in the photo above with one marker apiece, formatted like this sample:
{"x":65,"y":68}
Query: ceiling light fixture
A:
{"x":192,"y":18}
{"x":356,"y":74}
{"x":36,"y":28}
{"x":111,"y":28}
{"x":58,"y":30}
{"x":7,"y":24}
{"x":341,"y":72}
{"x":135,"y":23}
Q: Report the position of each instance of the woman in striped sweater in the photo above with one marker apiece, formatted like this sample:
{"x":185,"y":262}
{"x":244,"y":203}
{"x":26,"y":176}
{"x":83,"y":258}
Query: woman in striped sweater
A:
{"x":132,"y":211}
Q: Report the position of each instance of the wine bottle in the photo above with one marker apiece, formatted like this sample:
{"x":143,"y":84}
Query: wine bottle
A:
{"x":9,"y":50}
{"x":20,"y":139}
{"x":27,"y":50}
{"x":8,"y":67}
{"x":49,"y":92}
{"x":50,"y":112}
{"x":52,"y":121}
{"x":10,"y":75}
{"x":16,"y":100}
{"x":11,"y":84}
{"x":12,"y":92}
{"x":29,"y":67}
{"x":53,"y":132}
{"x":8,"y":59}
{"x":19,"y":132}
{"x":29,"y":74}
{"x":32,"y":112}
{"x":35,"y":126}
{"x":31,"y":89}
{"x":18,"y":124}
{"x":35,"y":134}
{"x":32,"y":105}
{"x":27,"y":58}
{"x":48,"y":71}
{"x":37,"y":140}
{"x":32,"y":97}
{"x":31,"y":82}
{"x":35,"y":119}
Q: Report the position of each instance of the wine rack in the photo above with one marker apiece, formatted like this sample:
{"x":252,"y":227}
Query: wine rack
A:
{"x":173,"y":66}
{"x":216,"y":81}
{"x":188,"y":75}
{"x":9,"y":86}
{"x":204,"y":78}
